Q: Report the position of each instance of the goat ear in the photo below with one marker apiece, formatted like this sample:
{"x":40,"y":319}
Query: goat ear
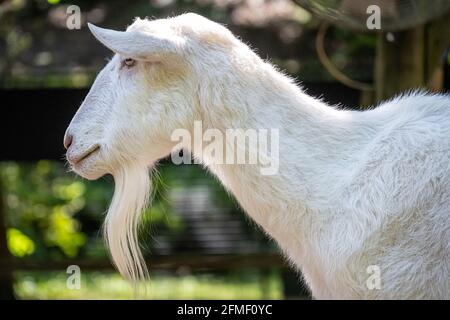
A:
{"x":135,"y":44}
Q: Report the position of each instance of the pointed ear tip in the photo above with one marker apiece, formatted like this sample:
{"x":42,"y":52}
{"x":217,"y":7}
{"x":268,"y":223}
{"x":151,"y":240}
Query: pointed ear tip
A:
{"x":91,"y":26}
{"x":96,"y":31}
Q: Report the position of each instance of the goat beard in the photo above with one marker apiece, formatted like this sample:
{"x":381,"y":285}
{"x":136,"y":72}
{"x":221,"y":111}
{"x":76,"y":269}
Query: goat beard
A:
{"x":131,"y":197}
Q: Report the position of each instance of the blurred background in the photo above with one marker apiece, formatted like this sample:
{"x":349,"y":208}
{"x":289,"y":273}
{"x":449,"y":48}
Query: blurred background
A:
{"x":197,"y":242}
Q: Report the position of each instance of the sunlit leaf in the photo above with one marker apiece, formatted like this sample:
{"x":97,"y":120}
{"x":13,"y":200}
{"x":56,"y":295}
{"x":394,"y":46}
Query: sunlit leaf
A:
{"x":19,"y":244}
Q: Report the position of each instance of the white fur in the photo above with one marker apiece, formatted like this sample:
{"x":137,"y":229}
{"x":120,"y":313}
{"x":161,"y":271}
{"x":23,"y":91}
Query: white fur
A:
{"x":354,"y":189}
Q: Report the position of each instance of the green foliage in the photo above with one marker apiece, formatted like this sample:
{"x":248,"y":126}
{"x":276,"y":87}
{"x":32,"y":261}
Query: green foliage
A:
{"x":19,"y":244}
{"x":52,"y":213}
{"x":41,"y":202}
{"x":250,"y":284}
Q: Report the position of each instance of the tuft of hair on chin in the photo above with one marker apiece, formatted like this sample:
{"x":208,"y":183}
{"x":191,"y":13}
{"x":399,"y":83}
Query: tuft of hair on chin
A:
{"x":131,"y":197}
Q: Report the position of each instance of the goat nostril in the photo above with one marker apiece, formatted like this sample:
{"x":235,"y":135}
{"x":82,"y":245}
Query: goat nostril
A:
{"x":68,"y":138}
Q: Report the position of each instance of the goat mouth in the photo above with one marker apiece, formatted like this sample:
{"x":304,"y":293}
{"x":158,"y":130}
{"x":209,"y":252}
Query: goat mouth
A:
{"x":89,"y":152}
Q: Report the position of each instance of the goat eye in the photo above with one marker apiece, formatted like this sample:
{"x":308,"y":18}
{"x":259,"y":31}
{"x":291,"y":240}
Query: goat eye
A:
{"x":129,"y":62}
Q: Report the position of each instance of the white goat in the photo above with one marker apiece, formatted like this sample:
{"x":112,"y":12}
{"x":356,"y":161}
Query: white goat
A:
{"x":354,"y":189}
